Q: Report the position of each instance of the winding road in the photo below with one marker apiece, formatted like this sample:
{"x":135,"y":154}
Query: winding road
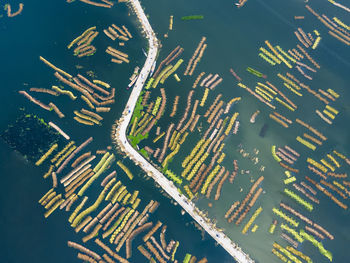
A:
{"x":168,"y":186}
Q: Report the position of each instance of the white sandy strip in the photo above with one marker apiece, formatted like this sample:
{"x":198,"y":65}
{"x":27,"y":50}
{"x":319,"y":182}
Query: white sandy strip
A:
{"x":167,"y":185}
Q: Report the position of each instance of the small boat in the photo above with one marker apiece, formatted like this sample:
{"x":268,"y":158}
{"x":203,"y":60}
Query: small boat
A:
{"x":153,"y":68}
{"x":136,"y":72}
{"x":133,"y":81}
{"x":134,"y":77}
{"x":144,"y":52}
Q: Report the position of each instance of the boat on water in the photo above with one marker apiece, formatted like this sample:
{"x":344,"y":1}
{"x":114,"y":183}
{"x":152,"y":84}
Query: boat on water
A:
{"x":153,"y":68}
{"x":134,"y":77}
{"x":144,"y":52}
{"x":136,"y":72}
{"x":133,"y":80}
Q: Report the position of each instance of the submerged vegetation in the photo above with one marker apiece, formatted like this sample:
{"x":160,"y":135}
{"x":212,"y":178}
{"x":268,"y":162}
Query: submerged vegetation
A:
{"x":30,"y":135}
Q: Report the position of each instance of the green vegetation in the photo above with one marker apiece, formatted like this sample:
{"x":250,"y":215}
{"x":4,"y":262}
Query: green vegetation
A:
{"x":156,"y":106}
{"x":193,"y":17}
{"x":160,"y":76}
{"x":285,"y":217}
{"x":293,"y":232}
{"x":138,"y":108}
{"x":317,"y":244}
{"x":210,"y":178}
{"x":149,"y":83}
{"x":173,"y":177}
{"x":297,"y":198}
{"x":187,"y":258}
{"x":171,"y":71}
{"x":135,"y":140}
{"x":144,"y":153}
{"x":254,"y":72}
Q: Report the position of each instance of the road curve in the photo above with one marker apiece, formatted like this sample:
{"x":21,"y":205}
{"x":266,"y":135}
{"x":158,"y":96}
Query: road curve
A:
{"x":167,"y":185}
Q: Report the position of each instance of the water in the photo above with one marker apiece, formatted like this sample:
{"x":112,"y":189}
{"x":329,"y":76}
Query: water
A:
{"x":45,"y":29}
{"x":233,"y":37}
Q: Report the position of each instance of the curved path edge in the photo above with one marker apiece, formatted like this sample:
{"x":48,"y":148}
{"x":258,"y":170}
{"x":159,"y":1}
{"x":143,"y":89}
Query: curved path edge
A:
{"x":120,"y":136}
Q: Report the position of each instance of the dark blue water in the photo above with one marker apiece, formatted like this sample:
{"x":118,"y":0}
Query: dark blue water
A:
{"x":45,"y":29}
{"x":234,"y":37}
